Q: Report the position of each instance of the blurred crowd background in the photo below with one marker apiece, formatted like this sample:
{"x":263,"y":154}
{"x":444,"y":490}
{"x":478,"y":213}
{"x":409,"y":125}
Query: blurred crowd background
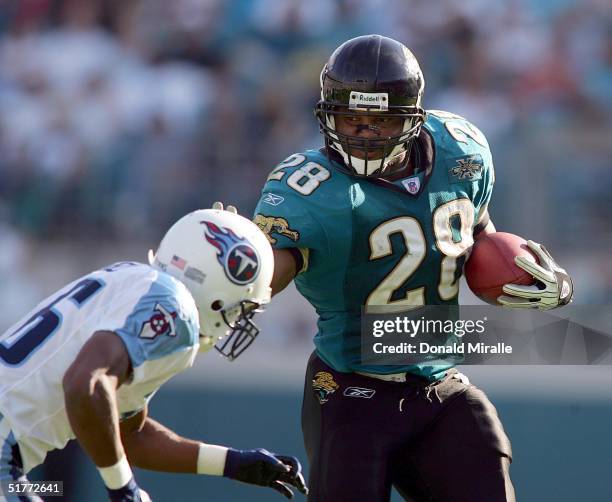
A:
{"x":118,"y":116}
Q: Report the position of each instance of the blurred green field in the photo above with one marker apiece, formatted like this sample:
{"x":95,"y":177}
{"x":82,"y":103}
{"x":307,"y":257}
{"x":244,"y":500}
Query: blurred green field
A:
{"x":561,"y":449}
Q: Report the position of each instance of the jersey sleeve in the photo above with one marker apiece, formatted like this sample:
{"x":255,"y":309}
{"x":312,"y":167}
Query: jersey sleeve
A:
{"x":162,"y":323}
{"x":467,"y":158}
{"x":284,"y":211}
{"x":483,"y":189}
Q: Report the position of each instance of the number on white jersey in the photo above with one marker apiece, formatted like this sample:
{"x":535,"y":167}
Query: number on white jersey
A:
{"x":18,"y":345}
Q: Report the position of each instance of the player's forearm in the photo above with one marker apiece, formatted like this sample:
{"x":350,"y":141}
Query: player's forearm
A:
{"x":92,"y":411}
{"x":485,"y":226}
{"x":284,"y":270}
{"x":280,"y":283}
{"x":157,"y":448}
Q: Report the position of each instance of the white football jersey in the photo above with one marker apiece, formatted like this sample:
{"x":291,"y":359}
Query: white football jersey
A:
{"x":153,"y":313}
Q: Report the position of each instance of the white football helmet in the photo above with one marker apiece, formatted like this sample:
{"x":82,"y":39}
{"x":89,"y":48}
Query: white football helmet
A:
{"x":226,"y":262}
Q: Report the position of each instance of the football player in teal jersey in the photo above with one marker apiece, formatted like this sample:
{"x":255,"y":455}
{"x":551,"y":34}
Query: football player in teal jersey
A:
{"x":384,"y":214}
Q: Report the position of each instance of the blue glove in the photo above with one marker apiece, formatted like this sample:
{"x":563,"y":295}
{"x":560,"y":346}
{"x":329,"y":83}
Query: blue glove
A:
{"x":263,"y":468}
{"x":129,"y":493}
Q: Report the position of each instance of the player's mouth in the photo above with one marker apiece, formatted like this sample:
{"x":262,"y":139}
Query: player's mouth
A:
{"x":362,"y":149}
{"x":370,"y":155}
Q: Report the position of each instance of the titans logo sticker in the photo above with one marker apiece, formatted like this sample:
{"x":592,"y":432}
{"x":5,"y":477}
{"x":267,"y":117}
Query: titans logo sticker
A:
{"x":235,"y":254}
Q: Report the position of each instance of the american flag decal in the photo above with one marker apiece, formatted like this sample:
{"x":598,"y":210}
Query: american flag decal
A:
{"x":178,"y":262}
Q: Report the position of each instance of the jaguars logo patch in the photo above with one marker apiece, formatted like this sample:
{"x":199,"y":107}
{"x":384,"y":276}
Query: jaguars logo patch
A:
{"x":467,"y":168}
{"x":323,"y":384}
{"x":275,"y":225}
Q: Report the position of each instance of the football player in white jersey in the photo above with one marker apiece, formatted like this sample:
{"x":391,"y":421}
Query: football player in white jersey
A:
{"x":85,"y":362}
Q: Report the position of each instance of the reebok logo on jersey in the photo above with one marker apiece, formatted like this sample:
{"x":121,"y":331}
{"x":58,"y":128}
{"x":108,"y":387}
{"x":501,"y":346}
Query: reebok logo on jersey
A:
{"x":161,"y":322}
{"x":359,"y":392}
{"x":467,"y":168}
{"x":273,"y":199}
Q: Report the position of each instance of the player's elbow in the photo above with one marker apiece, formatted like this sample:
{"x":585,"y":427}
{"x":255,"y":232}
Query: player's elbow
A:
{"x":97,"y":370}
{"x":81,"y":387}
{"x":285,"y":268}
{"x":77,"y":386}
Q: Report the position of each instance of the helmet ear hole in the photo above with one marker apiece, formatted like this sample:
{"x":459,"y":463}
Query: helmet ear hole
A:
{"x":216,"y":305}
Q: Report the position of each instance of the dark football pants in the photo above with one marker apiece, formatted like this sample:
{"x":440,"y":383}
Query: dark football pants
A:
{"x":441,"y":442}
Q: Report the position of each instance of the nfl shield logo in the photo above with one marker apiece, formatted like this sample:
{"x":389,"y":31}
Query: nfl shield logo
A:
{"x":412,"y":185}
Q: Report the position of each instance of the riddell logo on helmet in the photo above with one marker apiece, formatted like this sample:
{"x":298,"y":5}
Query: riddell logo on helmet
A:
{"x":369,"y":99}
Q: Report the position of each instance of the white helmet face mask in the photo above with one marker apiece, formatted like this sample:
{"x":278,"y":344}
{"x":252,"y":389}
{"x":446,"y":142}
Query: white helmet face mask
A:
{"x":226,"y":263}
{"x":368,"y":167}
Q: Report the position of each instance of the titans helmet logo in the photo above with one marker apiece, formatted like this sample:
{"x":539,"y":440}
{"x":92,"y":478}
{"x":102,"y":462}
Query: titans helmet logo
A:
{"x":235,"y":254}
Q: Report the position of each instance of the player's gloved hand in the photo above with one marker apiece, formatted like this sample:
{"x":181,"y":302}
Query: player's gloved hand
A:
{"x":129,"y":493}
{"x":553,"y":288}
{"x":219,"y":206}
{"x":260,"y":467}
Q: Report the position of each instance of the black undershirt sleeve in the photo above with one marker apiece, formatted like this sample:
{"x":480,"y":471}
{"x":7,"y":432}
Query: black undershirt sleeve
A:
{"x":298,"y":258}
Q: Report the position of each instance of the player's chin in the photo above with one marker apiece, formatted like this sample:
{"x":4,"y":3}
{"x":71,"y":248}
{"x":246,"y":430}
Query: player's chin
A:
{"x":369,"y":155}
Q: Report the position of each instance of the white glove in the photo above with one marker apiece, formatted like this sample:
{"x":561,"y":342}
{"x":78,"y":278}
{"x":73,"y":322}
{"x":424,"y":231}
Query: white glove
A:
{"x":553,"y":289}
{"x":219,"y":206}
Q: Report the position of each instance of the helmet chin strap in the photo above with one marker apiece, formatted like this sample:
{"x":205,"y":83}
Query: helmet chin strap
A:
{"x":206,"y":343}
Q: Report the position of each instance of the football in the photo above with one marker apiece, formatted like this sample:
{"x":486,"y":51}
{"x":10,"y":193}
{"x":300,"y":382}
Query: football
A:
{"x":491,"y":265}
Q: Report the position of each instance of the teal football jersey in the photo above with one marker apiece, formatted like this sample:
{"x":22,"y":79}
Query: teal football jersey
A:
{"x":399,"y":243}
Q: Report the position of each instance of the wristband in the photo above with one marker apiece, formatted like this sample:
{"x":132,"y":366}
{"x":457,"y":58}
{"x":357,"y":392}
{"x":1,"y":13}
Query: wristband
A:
{"x":118,"y":475}
{"x":211,"y":459}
